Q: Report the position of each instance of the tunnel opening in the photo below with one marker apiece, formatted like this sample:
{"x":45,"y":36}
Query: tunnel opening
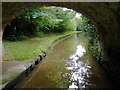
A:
{"x":110,"y":51}
{"x":37,"y":24}
{"x":40,"y":22}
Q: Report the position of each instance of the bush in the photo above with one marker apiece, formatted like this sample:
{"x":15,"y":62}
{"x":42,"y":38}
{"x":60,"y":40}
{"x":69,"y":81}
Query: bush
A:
{"x":40,"y":21}
{"x":89,"y":29}
{"x":40,"y":34}
{"x":93,"y":46}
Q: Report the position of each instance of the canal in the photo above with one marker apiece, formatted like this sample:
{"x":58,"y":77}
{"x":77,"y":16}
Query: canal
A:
{"x":69,"y":64}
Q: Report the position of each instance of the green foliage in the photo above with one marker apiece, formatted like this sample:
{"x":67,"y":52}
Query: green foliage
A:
{"x":93,"y":46}
{"x":46,"y":20}
{"x":40,"y":21}
{"x":89,"y":29}
{"x":83,"y":24}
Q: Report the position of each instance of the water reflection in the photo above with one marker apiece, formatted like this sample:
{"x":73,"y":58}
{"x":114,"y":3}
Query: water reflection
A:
{"x":69,"y":64}
{"x":79,"y":52}
{"x":79,"y":71}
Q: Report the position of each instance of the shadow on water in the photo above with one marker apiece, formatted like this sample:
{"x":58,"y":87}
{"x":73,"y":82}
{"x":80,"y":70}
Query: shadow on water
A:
{"x":69,"y":64}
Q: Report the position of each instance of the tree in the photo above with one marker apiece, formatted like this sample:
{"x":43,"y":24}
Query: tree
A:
{"x":40,"y":21}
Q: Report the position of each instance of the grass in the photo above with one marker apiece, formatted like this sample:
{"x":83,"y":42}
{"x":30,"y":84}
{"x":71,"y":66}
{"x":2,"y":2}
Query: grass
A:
{"x":30,"y":48}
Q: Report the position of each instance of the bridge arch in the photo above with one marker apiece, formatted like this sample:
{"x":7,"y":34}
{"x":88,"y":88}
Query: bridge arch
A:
{"x":105,"y":17}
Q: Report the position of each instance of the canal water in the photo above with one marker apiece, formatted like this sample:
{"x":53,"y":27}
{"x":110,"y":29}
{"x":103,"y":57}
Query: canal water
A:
{"x":69,"y":64}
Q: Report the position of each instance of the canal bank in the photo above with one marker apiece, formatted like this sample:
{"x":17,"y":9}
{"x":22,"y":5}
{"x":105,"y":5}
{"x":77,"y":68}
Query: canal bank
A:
{"x":69,"y":64}
{"x":13,"y":71}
